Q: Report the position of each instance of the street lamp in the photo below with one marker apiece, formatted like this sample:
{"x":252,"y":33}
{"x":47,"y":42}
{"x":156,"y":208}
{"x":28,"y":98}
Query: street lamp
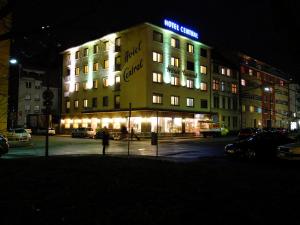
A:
{"x":13,"y":61}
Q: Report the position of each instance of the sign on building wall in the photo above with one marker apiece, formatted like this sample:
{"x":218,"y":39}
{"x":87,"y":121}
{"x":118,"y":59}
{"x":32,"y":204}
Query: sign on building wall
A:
{"x":180,"y":29}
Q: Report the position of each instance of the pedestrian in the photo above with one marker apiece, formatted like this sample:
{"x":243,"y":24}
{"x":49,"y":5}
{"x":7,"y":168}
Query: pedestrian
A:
{"x":105,"y":139}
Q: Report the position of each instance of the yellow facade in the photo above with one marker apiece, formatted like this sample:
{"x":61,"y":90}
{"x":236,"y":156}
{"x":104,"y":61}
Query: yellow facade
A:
{"x":132,"y":81}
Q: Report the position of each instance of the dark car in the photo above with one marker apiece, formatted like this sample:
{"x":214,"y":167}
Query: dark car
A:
{"x":3,"y":145}
{"x":246,"y":132}
{"x":260,"y":145}
{"x":99,"y":135}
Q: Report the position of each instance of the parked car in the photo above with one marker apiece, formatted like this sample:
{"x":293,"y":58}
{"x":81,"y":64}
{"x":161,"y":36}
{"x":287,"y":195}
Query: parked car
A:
{"x":260,"y":145}
{"x":246,"y":132}
{"x":4,"y":146}
{"x":289,"y":151}
{"x":19,"y":135}
{"x":83,"y":132}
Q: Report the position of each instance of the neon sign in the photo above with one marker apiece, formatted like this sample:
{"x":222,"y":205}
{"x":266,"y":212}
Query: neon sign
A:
{"x":181,"y":29}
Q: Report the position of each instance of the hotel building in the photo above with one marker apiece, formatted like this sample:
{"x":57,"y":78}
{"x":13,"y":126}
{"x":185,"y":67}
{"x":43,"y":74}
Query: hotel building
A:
{"x":264,"y":95}
{"x":164,"y":74}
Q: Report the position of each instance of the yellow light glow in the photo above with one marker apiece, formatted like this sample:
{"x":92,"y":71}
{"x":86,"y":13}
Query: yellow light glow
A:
{"x":72,"y":68}
{"x":177,"y":121}
{"x":62,"y":121}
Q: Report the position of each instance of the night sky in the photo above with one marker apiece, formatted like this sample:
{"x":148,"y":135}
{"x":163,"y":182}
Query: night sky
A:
{"x":264,"y":29}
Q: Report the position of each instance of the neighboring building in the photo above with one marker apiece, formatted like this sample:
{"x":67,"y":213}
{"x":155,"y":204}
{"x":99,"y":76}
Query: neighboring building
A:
{"x":5,"y":24}
{"x":157,"y":70}
{"x":225,"y":90}
{"x":264,"y":95}
{"x":31,"y":85}
{"x":294,"y":92}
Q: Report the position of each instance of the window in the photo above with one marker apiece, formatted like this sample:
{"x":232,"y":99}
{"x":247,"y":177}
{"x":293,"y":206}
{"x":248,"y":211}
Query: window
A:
{"x":28,"y":84}
{"x":250,"y":72}
{"x":157,"y":98}
{"x":118,"y":63}
{"x":118,"y":44}
{"x":84,"y":85}
{"x":77,"y":54}
{"x":94,"y":102}
{"x":222,"y":86}
{"x":117,"y":83}
{"x":105,"y":100}
{"x":243,"y":108}
{"x":175,"y":61}
{"x":203,"y":69}
{"x":228,"y":121}
{"x":223,"y":102}
{"x":228,"y":72}
{"x":281,"y":83}
{"x":203,"y":52}
{"x":157,"y":57}
{"x":203,"y":86}
{"x":106,"y":45}
{"x":190,"y":48}
{"x":157,"y":36}
{"x":215,"y":68}
{"x":223,"y":71}
{"x":203,"y":103}
{"x":36,"y":108}
{"x":175,"y":80}
{"x":117,"y":101}
{"x":157,"y":77}
{"x":96,"y":49}
{"x":228,"y":103}
{"x":189,"y":102}
{"x":27,"y":97}
{"x":251,"y":108}
{"x":243,"y":82}
{"x":68,"y":105}
{"x":234,"y":104}
{"x":175,"y":43}
{"x":189,"y":83}
{"x":68,"y":72}
{"x":190,"y":65}
{"x":77,"y":71}
{"x":95,"y":66}
{"x":216,"y":85}
{"x":216,"y":101}
{"x":76,"y":104}
{"x":234,"y":121}
{"x":85,"y":52}
{"x":233,"y":88}
{"x":105,"y":82}
{"x":67,"y":87}
{"x":85,"y":103}
{"x":37,"y":84}
{"x":175,"y":100}
{"x":76,"y":86}
{"x":95,"y":84}
{"x":86,"y":69}
{"x":106,"y":64}
{"x":27,"y":108}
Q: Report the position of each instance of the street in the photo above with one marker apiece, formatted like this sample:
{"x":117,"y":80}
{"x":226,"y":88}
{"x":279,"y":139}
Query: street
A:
{"x":174,"y":148}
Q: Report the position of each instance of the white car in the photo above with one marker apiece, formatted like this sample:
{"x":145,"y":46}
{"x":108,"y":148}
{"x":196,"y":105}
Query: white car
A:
{"x":18,"y":135}
{"x":289,"y":151}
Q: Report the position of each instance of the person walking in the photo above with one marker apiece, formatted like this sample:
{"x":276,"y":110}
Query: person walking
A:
{"x":105,"y":139}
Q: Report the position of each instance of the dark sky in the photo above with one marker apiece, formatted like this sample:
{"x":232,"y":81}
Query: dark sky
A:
{"x":264,"y":29}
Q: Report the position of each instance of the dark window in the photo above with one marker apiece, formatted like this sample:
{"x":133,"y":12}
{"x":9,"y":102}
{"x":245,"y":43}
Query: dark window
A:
{"x":190,"y":65}
{"x":68,"y":72}
{"x":234,"y":104}
{"x":28,"y":84}
{"x":223,"y":102}
{"x":203,"y":103}
{"x":234,"y":121}
{"x":118,"y":63}
{"x":157,"y":36}
{"x":105,"y":101}
{"x":94,"y":102}
{"x":118,"y":44}
{"x":216,"y":101}
{"x":216,"y":68}
{"x":203,"y":52}
{"x":228,"y":121}
{"x":117,"y":101}
{"x":229,"y":103}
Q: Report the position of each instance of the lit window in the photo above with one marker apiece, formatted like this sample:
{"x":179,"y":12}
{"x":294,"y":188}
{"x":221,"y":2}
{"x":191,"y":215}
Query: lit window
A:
{"x":174,"y":43}
{"x":77,"y":55}
{"x":223,"y":71}
{"x":175,"y":100}
{"x":76,"y":104}
{"x":190,"y":48}
{"x":95,"y":84}
{"x":85,"y":103}
{"x":157,"y":57}
{"x":175,"y":80}
{"x":157,"y":77}
{"x":216,"y":85}
{"x":250,"y":72}
{"x":76,"y":86}
{"x":95,"y":66}
{"x":203,"y":69}
{"x":203,"y":86}
{"x":105,"y":82}
{"x":84,"y":84}
{"x":174,"y":61}
{"x":106,"y":64}
{"x":85,"y":52}
{"x":222,"y":86}
{"x":86,"y":69}
{"x":157,"y":98}
{"x":189,"y":102}
{"x":106,"y":46}
{"x":251,"y":108}
{"x":37,"y":108}
{"x":228,"y":72}
{"x":96,"y":49}
{"x":157,"y":36}
{"x":77,"y":71}
{"x":243,"y":108}
{"x":189,"y":83}
{"x":233,"y":88}
{"x":68,"y":104}
{"x":243,"y":82}
{"x":27,"y":97}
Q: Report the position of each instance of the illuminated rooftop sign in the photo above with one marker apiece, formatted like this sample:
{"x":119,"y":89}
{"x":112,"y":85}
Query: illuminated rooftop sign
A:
{"x":181,"y":29}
